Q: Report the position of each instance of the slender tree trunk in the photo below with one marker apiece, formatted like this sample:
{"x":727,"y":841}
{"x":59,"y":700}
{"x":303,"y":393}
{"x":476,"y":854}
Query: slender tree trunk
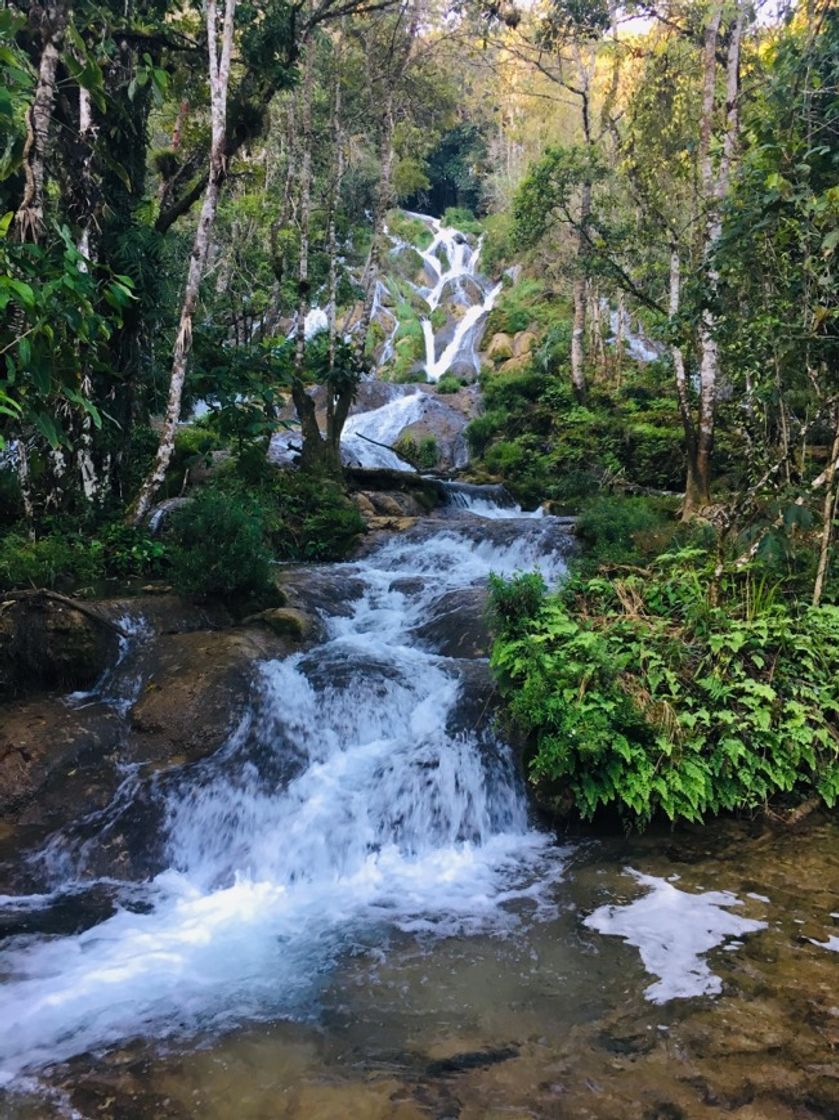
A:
{"x":692,"y":485}
{"x":384,"y":200}
{"x":219,"y":66}
{"x":333,"y":429}
{"x":578,"y":332}
{"x":831,"y":494}
{"x":304,"y":212}
{"x":25,"y":485}
{"x":29,"y":219}
{"x":715,"y":187}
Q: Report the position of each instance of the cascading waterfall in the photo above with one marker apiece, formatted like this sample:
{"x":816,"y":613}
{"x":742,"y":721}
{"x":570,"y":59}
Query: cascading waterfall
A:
{"x":353,"y":799}
{"x":452,"y":265}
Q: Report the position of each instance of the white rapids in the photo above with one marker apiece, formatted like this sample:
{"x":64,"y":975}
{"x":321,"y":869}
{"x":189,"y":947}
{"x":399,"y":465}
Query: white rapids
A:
{"x":350,"y":802}
{"x":452,"y":264}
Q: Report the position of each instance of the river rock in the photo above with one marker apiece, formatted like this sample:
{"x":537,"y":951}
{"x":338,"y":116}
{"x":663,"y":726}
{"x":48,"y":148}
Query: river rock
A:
{"x":456,"y":624}
{"x":515,"y":365}
{"x":44,"y":737}
{"x":48,"y":641}
{"x":524,"y":343}
{"x":196,"y":686}
{"x":288,"y":622}
{"x":500,"y":347}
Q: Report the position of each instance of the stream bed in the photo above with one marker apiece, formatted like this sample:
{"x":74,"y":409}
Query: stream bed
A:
{"x":360,"y":917}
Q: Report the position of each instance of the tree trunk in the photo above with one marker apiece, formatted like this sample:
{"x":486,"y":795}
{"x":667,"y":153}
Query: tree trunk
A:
{"x":304,"y":213}
{"x":828,"y":516}
{"x":29,"y":219}
{"x":578,"y":376}
{"x":219,"y":67}
{"x":384,"y":199}
{"x":698,"y":487}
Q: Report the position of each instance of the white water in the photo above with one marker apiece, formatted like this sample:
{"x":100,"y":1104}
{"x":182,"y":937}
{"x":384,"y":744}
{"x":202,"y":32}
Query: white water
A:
{"x":368,"y":436}
{"x":673,"y":930}
{"x":366,"y":807}
{"x":453,"y":264}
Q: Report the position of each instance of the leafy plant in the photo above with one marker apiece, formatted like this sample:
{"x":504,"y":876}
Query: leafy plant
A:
{"x":219,"y":547}
{"x":665,"y":692}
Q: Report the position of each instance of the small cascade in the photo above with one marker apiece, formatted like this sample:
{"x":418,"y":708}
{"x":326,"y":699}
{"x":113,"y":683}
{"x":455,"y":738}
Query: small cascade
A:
{"x":491,"y":501}
{"x":451,"y":267}
{"x":636,"y":343}
{"x":357,"y":796}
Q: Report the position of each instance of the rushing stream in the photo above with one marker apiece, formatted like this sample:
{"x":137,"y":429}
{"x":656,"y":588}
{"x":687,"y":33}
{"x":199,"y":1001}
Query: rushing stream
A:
{"x":358,"y":907}
{"x":371,"y":803}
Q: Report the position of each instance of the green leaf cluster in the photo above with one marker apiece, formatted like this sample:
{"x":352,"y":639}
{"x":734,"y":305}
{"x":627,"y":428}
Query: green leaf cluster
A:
{"x":662,"y":693}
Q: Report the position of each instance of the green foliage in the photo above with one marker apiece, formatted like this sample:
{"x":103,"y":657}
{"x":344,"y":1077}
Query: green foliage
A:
{"x":515,"y":603}
{"x":424,"y":454}
{"x":411,"y":230}
{"x":448,"y":384}
{"x":666,"y":692}
{"x":623,"y":530}
{"x":536,"y":438}
{"x":517,"y":308}
{"x":460,"y":218}
{"x":219,"y":547}
{"x":78,"y":559}
{"x":55,"y":560}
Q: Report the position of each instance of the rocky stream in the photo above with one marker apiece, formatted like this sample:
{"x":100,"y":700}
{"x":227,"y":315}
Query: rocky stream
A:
{"x":287,"y":869}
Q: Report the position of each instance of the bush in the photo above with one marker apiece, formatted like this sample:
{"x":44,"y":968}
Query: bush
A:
{"x":460,"y":218}
{"x":448,"y":383}
{"x":58,"y":559}
{"x":219,"y":547}
{"x":305,"y":517}
{"x":424,"y":454}
{"x":668,"y":692}
{"x":622,"y":530}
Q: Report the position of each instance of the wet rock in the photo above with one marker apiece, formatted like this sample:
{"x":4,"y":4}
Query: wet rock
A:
{"x":50,"y":642}
{"x":197,"y":686}
{"x":288,"y":622}
{"x":456,"y":626}
{"x":162,"y":612}
{"x":44,"y":738}
{"x":472,"y":1059}
{"x":391,"y":524}
{"x":364,"y":505}
{"x":500,"y":347}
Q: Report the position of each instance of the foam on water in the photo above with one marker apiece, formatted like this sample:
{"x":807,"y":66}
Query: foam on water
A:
{"x":365,"y":807}
{"x":673,"y":930}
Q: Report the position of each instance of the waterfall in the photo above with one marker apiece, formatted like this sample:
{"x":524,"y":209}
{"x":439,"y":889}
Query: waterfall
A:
{"x":453,"y":264}
{"x":357,"y":796}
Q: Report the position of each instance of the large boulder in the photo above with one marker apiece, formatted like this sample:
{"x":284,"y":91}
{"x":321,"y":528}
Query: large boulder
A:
{"x":50,"y":642}
{"x":456,"y":625}
{"x":500,"y":347}
{"x":524,"y":343}
{"x":46,"y":738}
{"x":196,"y":687}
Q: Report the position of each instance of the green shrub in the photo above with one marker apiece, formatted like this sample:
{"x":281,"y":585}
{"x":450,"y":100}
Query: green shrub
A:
{"x":619,"y":530}
{"x":668,"y":692}
{"x":514,"y":603}
{"x":219,"y":547}
{"x":58,"y":559}
{"x":448,"y":383}
{"x":460,"y":218}
{"x":304,"y":517}
{"x":424,"y":454}
{"x":409,"y":229}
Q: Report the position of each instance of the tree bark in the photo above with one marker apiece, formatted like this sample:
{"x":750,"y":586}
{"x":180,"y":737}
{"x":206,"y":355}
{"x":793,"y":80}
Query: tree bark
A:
{"x":714,"y":187}
{"x":828,"y":516}
{"x":29,"y":219}
{"x":219,"y":67}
